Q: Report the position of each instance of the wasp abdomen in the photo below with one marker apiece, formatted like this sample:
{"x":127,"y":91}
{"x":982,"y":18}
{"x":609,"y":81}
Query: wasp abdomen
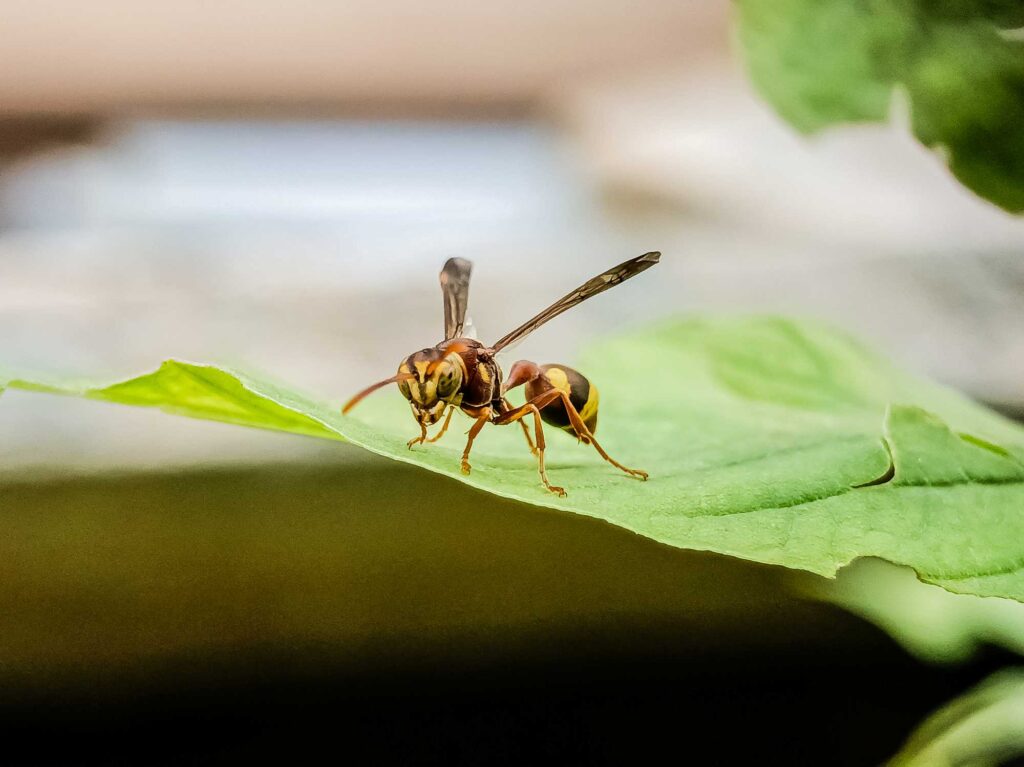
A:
{"x":582,"y":394}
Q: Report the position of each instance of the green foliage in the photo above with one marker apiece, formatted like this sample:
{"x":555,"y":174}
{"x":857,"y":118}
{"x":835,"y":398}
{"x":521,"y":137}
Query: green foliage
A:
{"x":767,"y":439}
{"x":981,"y":728}
{"x":822,"y":62}
{"x":928,"y":621}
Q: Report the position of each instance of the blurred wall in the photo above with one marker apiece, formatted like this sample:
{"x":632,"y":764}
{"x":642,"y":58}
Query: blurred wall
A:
{"x":115,"y":55}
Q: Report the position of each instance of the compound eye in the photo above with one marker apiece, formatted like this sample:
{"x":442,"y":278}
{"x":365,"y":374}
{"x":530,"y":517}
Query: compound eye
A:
{"x":403,"y":386}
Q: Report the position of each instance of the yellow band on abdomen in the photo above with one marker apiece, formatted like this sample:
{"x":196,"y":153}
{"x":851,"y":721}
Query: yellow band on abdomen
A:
{"x":589,"y":409}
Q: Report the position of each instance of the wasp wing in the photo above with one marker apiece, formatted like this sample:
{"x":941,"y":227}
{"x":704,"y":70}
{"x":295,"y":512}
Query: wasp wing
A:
{"x":455,"y":289}
{"x":591,"y":287}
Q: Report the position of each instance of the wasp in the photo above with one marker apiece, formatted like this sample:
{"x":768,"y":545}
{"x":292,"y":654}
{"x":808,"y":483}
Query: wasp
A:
{"x":463,"y":374}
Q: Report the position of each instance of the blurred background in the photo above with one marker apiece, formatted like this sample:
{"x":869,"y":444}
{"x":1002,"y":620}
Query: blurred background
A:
{"x":276,"y":185}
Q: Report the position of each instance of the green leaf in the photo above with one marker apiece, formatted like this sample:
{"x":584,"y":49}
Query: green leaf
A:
{"x":768,"y":439}
{"x":928,"y":621}
{"x":981,"y":728}
{"x":822,"y":62}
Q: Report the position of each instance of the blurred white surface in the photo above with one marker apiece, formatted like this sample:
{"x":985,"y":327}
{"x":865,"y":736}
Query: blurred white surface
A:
{"x":701,"y":139}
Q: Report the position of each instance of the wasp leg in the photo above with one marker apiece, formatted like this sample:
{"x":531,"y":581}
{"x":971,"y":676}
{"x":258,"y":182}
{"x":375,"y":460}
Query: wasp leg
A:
{"x":588,"y":437}
{"x":522,"y":372}
{"x":420,"y":439}
{"x":529,"y":439}
{"x":444,"y":426}
{"x":533,"y":406}
{"x":423,"y":432}
{"x":483,"y":415}
{"x":526,"y":429}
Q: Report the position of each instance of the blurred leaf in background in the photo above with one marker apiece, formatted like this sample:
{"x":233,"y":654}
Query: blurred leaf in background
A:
{"x":769,"y":439}
{"x":928,"y":621}
{"x":959,"y":64}
{"x":983,"y":728}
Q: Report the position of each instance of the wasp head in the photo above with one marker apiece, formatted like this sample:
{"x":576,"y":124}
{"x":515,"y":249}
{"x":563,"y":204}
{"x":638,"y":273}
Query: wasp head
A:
{"x":430,"y":379}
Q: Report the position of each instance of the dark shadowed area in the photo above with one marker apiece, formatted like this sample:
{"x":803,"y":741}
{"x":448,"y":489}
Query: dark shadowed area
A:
{"x":381,"y":612}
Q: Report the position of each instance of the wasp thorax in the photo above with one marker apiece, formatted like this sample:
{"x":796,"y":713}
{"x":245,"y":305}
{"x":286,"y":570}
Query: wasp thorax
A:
{"x":434,"y":381}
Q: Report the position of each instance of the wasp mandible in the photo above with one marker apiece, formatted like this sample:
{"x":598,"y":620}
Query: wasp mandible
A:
{"x":461,"y":373}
